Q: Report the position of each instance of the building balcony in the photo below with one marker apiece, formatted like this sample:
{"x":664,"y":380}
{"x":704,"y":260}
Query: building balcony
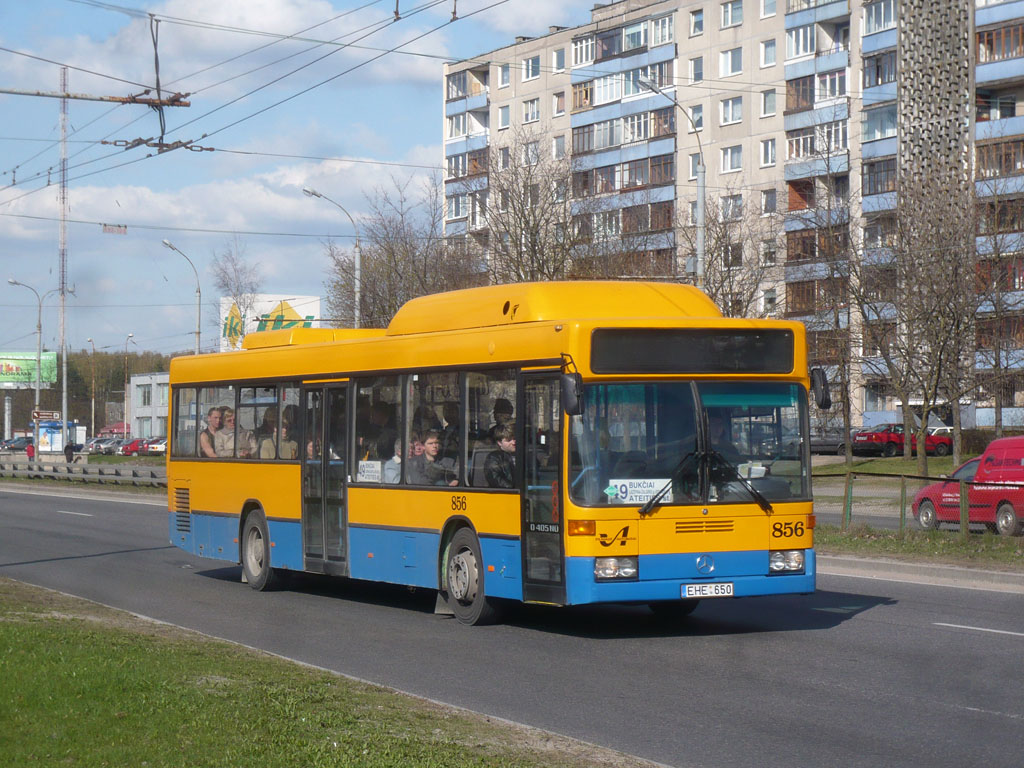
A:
{"x":803,"y":168}
{"x":471,"y":103}
{"x":878,"y":41}
{"x":998,"y":129}
{"x":886,"y":201}
{"x":988,"y":12}
{"x":802,"y":12}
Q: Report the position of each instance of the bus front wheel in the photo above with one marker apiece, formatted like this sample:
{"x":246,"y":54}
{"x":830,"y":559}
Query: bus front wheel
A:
{"x":256,"y":552}
{"x":464,"y":580}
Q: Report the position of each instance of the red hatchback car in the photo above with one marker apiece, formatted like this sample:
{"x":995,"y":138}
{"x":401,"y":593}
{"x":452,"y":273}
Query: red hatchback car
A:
{"x":995,"y":497}
{"x":887,"y":440}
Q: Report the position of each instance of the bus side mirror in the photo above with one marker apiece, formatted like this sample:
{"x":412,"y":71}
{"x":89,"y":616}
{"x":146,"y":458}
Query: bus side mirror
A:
{"x":819,"y":389}
{"x":572,"y":393}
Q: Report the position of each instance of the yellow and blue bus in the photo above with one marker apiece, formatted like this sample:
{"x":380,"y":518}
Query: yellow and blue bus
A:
{"x":558,"y":443}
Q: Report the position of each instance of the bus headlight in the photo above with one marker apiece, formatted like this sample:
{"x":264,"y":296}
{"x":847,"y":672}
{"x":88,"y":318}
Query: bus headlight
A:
{"x":615,"y":568}
{"x":786,"y":560}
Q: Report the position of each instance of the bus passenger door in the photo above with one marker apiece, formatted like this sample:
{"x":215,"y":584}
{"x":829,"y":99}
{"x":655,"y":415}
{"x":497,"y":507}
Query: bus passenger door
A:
{"x":324,"y":466}
{"x":543,"y":556}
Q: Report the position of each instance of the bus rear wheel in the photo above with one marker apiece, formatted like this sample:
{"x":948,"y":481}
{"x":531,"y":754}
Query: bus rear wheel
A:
{"x":464,"y":580}
{"x":256,"y":552}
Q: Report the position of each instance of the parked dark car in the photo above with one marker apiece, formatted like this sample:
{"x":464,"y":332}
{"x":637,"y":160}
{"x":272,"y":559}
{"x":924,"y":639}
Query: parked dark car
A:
{"x":995,"y":498}
{"x":831,"y":441}
{"x":888,"y":439}
{"x":19,"y":443}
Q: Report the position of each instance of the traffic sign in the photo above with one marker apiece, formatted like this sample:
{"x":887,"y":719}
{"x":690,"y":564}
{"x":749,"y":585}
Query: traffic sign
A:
{"x":46,"y":415}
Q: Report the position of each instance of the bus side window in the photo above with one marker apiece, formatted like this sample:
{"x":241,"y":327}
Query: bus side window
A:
{"x":185,"y":417}
{"x":212,"y":435}
{"x":435,"y":430}
{"x":491,"y":398}
{"x":378,"y":402}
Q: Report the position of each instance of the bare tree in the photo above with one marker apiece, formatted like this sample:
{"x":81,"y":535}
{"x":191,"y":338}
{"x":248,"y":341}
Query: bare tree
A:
{"x":403,"y":255}
{"x":235,"y":277}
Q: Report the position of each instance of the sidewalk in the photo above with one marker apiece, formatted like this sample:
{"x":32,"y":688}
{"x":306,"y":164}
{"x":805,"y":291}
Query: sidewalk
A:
{"x":921,"y":573}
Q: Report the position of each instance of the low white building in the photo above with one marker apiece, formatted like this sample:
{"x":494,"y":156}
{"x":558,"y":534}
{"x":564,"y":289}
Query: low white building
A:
{"x":147,"y":404}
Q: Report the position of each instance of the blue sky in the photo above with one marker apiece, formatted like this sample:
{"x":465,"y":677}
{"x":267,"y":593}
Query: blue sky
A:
{"x":385,"y":114}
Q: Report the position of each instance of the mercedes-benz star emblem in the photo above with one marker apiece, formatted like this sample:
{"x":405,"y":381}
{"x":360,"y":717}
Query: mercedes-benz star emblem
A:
{"x":705,"y":564}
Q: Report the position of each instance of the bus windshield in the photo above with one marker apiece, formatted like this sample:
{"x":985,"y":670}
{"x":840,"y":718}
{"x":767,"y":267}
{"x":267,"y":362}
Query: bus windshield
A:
{"x":710,"y":440}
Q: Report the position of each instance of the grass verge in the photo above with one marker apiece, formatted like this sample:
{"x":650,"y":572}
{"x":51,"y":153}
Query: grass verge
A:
{"x":942,"y":547}
{"x":85,"y":685}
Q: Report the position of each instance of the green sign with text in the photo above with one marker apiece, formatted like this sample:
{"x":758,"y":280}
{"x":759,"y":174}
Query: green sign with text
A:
{"x":18,"y":369}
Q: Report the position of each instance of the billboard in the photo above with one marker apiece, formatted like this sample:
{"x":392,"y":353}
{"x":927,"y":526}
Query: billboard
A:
{"x":18,"y":369}
{"x":264,"y":312}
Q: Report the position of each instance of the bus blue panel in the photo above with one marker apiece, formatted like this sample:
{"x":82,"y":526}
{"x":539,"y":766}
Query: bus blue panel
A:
{"x":209,"y":536}
{"x":505,"y":557}
{"x":395,"y":556}
{"x":662,"y":578}
{"x":286,"y":544}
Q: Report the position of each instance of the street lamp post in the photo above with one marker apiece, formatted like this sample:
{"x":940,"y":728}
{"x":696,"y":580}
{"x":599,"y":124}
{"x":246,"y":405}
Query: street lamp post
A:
{"x":359,"y":255}
{"x":124,"y":423}
{"x":39,"y":354}
{"x":92,"y":389}
{"x":199,"y":293}
{"x":701,"y":223}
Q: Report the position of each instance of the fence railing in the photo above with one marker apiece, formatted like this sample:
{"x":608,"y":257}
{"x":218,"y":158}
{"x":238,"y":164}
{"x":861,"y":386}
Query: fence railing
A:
{"x":861,"y":496}
{"x":110,"y":474}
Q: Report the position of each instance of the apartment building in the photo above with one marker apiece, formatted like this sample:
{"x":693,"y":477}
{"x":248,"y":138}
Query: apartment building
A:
{"x":806,"y":113}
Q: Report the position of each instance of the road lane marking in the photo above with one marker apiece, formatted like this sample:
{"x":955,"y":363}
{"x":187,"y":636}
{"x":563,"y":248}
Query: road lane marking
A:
{"x":980,"y":629}
{"x":80,"y":514}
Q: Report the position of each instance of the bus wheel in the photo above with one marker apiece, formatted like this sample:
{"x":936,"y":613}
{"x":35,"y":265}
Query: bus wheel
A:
{"x":256,"y":552}
{"x":464,"y":580}
{"x":673,"y":609}
{"x":1007,"y":522}
{"x":926,"y":516}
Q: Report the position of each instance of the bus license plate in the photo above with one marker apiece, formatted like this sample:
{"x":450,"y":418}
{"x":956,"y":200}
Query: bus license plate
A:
{"x":721,"y":589}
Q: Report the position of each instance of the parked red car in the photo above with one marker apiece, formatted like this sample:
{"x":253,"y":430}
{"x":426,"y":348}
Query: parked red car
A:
{"x":132,"y":447}
{"x":995,"y":497}
{"x":887,"y":440}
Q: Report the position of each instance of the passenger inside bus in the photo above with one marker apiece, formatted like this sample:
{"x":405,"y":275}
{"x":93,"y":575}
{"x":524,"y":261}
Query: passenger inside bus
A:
{"x":214,"y":418}
{"x":428,"y":468}
{"x":393,"y":466}
{"x":500,"y":465}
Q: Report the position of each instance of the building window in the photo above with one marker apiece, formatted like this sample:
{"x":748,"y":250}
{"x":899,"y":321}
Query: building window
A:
{"x":768,"y":301}
{"x":732,"y":13}
{"x":800,"y":41}
{"x":769,"y":253}
{"x":662,"y":169}
{"x":558,"y":60}
{"x":582,"y":139}
{"x":834,"y":136}
{"x":800,"y":93}
{"x":696,"y":118}
{"x":730,"y":62}
{"x":694,"y":164}
{"x":800,"y":143}
{"x":503,"y":76}
{"x":531,"y":110}
{"x":145,"y":395}
{"x":456,"y":166}
{"x":634,"y":36}
{"x":732,"y":255}
{"x":832,"y":85}
{"x":1000,"y":44}
{"x":732,"y":159}
{"x":503,"y":117}
{"x":457,"y":207}
{"x":768,"y":198}
{"x":662,"y":30}
{"x":767,"y":8}
{"x":607,"y":89}
{"x":558,"y":147}
{"x":801,"y":195}
{"x":879,"y":123}
{"x":663,"y":122}
{"x":558,"y":103}
{"x":767,"y":153}
{"x":609,"y":44}
{"x":768,"y":53}
{"x":635,"y":173}
{"x":879,"y":69}
{"x":457,"y":125}
{"x":583,"y":50}
{"x":531,"y":153}
{"x":880,"y":176}
{"x":880,"y":231}
{"x":732,"y":207}
{"x":732,"y":110}
{"x":504,"y":158}
{"x":768,"y":103}
{"x":696,"y":22}
{"x":879,"y":16}
{"x":531,"y":68}
{"x":634,"y":128}
{"x":456,"y":85}
{"x":582,"y":94}
{"x":697,"y":69}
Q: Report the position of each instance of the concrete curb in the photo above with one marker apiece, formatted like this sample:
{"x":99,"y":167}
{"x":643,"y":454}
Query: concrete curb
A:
{"x":921,"y":573}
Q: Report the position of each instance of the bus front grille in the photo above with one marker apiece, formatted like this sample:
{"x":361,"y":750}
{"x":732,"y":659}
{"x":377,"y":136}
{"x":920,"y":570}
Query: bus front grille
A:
{"x":182,"y":511}
{"x":704,"y":526}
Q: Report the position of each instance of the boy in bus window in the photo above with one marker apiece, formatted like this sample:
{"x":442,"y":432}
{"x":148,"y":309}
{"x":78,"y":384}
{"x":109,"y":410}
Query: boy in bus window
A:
{"x":207,"y":438}
{"x":428,"y":468}
{"x":503,"y":413}
{"x":500,"y":465}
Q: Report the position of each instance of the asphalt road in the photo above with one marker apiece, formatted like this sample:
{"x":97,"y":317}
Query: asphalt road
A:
{"x":865,"y":672}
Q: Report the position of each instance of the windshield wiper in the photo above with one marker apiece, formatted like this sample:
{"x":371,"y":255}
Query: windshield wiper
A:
{"x":762,"y":502}
{"x":648,"y":506}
